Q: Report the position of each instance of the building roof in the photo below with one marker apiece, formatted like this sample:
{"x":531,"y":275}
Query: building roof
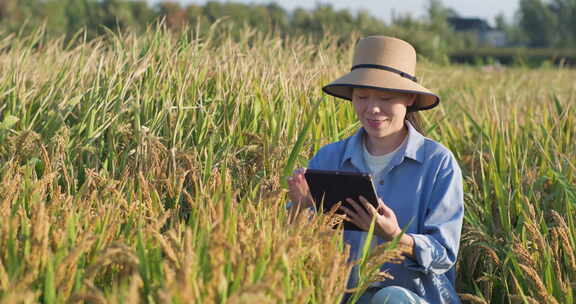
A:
{"x":469,"y":24}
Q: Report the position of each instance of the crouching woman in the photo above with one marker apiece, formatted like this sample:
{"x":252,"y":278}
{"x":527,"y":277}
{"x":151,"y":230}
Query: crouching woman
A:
{"x":418,"y":181}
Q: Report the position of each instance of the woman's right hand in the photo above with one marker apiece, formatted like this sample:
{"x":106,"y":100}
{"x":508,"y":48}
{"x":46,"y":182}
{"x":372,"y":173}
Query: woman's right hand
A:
{"x":298,"y":189}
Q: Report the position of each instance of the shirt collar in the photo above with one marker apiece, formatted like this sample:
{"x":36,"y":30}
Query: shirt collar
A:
{"x":413,"y":148}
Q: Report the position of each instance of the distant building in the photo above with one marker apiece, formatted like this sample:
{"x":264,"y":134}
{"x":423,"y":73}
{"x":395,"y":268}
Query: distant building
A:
{"x":484,"y":33}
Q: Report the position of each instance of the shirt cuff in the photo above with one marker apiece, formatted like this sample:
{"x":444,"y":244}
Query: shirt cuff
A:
{"x":423,"y":251}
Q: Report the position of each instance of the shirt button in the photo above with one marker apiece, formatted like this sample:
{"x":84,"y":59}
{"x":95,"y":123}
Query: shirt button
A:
{"x":381,"y":182}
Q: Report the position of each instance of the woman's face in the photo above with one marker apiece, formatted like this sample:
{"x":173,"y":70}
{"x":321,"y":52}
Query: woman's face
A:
{"x":381,"y":113}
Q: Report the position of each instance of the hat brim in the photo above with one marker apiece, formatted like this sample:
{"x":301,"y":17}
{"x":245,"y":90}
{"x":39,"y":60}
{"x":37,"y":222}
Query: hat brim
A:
{"x":381,"y":80}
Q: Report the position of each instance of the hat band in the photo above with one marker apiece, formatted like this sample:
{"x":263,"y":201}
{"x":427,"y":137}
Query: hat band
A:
{"x":385,"y":68}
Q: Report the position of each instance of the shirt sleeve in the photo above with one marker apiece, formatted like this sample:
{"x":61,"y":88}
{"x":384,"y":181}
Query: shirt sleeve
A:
{"x":436,"y":248}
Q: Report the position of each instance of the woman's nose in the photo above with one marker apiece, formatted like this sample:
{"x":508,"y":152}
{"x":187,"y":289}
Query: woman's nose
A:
{"x":374,"y":106}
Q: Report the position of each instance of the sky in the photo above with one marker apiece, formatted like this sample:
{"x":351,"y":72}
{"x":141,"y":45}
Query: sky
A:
{"x":384,"y":9}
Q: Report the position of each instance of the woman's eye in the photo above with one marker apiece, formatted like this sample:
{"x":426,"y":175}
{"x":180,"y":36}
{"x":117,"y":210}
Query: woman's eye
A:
{"x":361,"y":97}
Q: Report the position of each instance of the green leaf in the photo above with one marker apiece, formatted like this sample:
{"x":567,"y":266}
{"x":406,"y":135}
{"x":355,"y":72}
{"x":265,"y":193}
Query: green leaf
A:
{"x":298,"y":145}
{"x":49,"y":288}
{"x":368,"y":241}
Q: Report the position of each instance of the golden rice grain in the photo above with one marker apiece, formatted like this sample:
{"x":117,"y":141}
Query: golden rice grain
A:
{"x":523,"y":256}
{"x":167,"y":249}
{"x":92,"y":295}
{"x":66,"y":271}
{"x":523,"y":299}
{"x":9,"y":189}
{"x":491,"y":253}
{"x":536,"y":235}
{"x":555,"y":241}
{"x":564,"y":284}
{"x":20,"y":297}
{"x":530,"y":206}
{"x":558,"y":219}
{"x":540,"y":288}
{"x":471,"y":298}
{"x":116,"y":253}
{"x":133,"y":295}
{"x":566,"y":247}
{"x":39,"y":252}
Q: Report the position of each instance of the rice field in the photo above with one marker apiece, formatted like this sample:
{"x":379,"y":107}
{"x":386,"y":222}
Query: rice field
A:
{"x":151,"y":169}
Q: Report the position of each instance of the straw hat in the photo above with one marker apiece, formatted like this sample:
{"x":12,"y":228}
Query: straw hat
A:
{"x":383,"y":63}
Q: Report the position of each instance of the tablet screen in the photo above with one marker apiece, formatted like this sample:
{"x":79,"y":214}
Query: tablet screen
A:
{"x":329,"y":187}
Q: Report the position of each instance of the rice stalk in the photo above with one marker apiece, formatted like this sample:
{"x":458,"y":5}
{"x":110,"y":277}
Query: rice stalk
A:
{"x":541,"y":291}
{"x":466,"y":297}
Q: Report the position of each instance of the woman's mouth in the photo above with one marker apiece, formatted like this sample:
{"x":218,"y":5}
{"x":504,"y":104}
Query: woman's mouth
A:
{"x":375,"y":123}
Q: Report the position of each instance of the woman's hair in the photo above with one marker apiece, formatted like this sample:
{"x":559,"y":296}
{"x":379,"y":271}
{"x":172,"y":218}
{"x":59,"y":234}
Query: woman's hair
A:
{"x":416,"y":121}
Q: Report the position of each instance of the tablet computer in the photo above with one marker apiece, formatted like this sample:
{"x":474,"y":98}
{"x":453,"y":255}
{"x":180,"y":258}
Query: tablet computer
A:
{"x":328,"y":187}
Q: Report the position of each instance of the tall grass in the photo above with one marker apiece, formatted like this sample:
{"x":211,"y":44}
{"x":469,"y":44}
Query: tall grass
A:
{"x":149,"y":169}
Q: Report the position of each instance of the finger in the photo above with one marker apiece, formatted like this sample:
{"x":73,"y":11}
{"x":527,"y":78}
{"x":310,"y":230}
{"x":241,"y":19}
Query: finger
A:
{"x":296,"y":178}
{"x":369,"y":207}
{"x":299,"y":171}
{"x":386,"y":210}
{"x":303,"y":183}
{"x":351,"y":216}
{"x":380,"y":209}
{"x":292,"y":184}
{"x":359,"y":210}
{"x":298,"y":174}
{"x":366,"y":204}
{"x":348,"y":212}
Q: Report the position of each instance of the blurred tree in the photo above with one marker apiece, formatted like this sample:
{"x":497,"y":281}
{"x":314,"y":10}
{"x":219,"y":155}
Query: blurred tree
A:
{"x":539,"y":22}
{"x":565,"y":12}
{"x":174,"y":14}
{"x":195,"y":14}
{"x":14,"y":14}
{"x":79,"y":15}
{"x":124,"y":15}
{"x":142,"y":13}
{"x":438,"y":13}
{"x":432,"y":36}
{"x":514,"y":34}
{"x":278,"y":17}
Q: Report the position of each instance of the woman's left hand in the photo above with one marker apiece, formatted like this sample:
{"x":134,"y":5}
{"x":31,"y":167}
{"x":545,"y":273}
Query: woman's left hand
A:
{"x":386,"y":225}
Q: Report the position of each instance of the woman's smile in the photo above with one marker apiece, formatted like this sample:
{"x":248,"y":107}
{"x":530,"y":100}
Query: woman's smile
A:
{"x":376,"y":123}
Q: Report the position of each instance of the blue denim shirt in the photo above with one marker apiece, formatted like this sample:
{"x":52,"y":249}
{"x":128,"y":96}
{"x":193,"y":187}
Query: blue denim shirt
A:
{"x":423,"y":185}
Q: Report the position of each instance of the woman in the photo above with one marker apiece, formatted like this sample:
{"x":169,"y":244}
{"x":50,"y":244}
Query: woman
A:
{"x":418,"y":181}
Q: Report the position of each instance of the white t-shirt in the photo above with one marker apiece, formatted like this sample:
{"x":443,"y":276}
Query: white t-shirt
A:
{"x":377,"y":163}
